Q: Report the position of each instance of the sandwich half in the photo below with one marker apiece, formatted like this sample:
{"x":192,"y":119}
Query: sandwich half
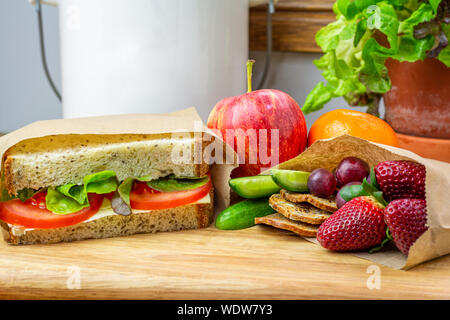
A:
{"x":72,"y":187}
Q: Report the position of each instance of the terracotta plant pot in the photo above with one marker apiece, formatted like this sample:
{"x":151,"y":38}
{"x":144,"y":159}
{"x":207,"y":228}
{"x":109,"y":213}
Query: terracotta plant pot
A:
{"x":438,"y":149}
{"x":418,"y":105}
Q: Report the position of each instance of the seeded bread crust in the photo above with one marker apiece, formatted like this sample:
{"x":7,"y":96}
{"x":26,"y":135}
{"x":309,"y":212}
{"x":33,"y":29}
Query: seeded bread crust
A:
{"x":192,"y":216}
{"x":56,"y":160}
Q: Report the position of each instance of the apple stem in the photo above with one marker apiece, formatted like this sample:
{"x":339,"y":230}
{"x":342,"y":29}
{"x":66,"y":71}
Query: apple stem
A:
{"x":249,"y":74}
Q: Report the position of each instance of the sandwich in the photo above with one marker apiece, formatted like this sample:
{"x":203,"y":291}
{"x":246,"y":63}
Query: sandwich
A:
{"x":67,"y":187}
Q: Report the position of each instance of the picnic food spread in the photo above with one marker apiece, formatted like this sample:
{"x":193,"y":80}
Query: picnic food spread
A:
{"x":346,"y":194}
{"x":345,"y":200}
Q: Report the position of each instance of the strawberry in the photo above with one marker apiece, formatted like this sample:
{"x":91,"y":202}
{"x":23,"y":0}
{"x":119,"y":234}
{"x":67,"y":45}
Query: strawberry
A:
{"x":357,"y":225}
{"x":401,"y":179}
{"x":406,"y":220}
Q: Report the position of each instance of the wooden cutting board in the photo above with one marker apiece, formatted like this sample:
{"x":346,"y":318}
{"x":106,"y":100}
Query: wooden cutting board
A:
{"x":256,"y":263}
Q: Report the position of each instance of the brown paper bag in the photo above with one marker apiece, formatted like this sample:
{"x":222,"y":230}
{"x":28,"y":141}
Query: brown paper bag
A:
{"x":435,"y":242}
{"x":185,"y":121}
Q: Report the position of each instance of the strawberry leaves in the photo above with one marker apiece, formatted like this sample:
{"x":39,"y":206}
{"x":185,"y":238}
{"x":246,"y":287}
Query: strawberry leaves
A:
{"x":349,"y":192}
{"x":370,"y":190}
{"x":383,"y":243}
{"x":373,"y":178}
{"x":364,"y":189}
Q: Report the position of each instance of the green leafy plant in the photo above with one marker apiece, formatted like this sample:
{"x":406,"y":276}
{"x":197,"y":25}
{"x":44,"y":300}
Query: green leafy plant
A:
{"x":364,"y":35}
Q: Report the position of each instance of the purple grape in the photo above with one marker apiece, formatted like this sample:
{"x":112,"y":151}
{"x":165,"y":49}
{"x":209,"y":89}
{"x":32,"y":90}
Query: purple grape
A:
{"x":351,"y":169}
{"x":322,"y":183}
{"x":339,"y":200}
{"x":338,"y":185}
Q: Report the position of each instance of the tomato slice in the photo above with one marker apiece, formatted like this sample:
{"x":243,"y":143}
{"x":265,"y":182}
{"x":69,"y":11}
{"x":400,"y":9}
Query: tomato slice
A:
{"x":33,"y":213}
{"x":142,"y":197}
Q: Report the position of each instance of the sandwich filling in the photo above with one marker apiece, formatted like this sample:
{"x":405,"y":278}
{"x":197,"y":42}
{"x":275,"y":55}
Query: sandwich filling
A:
{"x":100,"y":192}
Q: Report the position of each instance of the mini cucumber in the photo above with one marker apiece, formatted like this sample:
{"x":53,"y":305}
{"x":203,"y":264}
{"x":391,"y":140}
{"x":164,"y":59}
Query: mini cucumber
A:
{"x":242,"y":214}
{"x":291,"y":180}
{"x":254,"y":187}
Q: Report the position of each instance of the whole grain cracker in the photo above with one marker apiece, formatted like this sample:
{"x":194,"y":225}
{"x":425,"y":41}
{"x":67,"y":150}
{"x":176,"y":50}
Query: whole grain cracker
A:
{"x":279,"y":221}
{"x":327,"y":204}
{"x":303,"y":212}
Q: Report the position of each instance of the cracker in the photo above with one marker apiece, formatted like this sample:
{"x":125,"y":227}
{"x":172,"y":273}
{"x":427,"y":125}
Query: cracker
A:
{"x":279,"y":221}
{"x":303,"y":212}
{"x":327,"y":204}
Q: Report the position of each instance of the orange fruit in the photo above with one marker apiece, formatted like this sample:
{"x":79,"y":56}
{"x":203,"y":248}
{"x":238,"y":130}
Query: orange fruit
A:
{"x":355,"y":123}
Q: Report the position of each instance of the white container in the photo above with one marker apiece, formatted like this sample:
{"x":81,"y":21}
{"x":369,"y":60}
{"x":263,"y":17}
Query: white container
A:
{"x":151,"y":56}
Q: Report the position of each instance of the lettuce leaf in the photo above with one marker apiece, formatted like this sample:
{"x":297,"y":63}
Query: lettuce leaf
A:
{"x":375,"y":74}
{"x":23,"y":195}
{"x":412,"y":49}
{"x":424,"y":13}
{"x":434,"y":4}
{"x":71,"y":198}
{"x":167,"y":184}
{"x":170,"y":184}
{"x":99,"y":183}
{"x":357,"y":44}
{"x":59,"y":203}
{"x":328,"y":37}
{"x":125,"y":187}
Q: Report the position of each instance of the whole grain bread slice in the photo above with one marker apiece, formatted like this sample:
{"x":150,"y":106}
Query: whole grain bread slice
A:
{"x":327,"y":204}
{"x":303,"y":212}
{"x":279,"y":221}
{"x":51,"y":161}
{"x":193,"y":216}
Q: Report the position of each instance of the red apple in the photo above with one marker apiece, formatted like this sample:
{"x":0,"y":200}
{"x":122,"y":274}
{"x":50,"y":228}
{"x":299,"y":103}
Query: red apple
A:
{"x":240,"y":119}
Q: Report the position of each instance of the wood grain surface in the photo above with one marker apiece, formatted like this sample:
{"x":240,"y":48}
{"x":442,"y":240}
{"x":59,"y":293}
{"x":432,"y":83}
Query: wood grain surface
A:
{"x":256,"y":263}
{"x":294,"y":25}
{"x":304,"y":5}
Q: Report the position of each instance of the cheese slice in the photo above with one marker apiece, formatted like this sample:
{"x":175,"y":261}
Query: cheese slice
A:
{"x":104,"y":211}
